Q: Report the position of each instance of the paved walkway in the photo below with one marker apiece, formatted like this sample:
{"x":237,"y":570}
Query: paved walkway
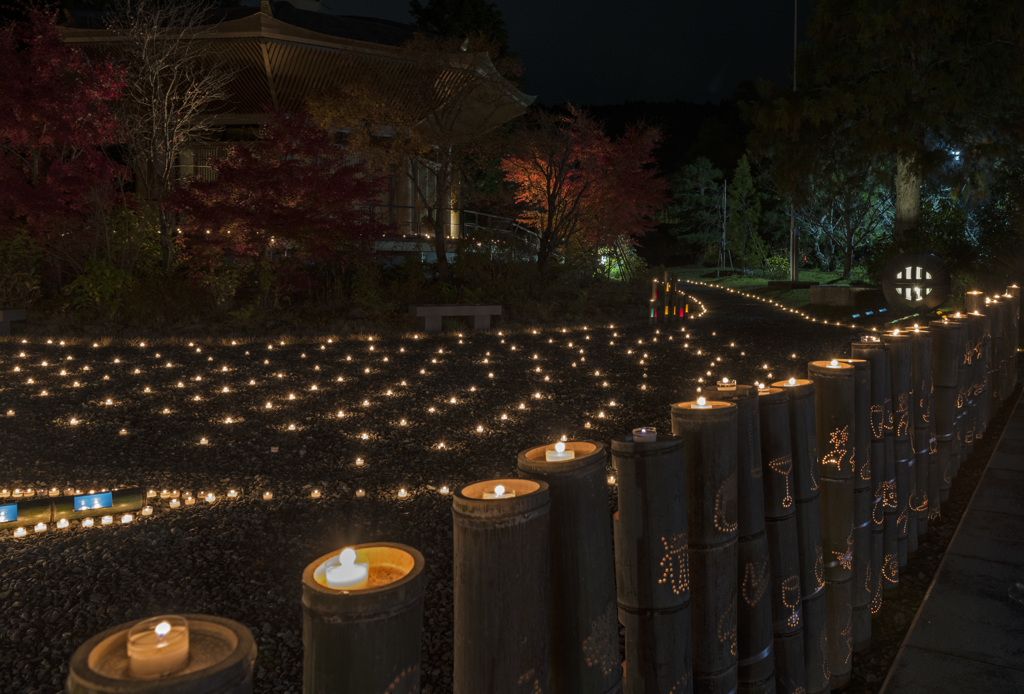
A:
{"x":968,"y":635}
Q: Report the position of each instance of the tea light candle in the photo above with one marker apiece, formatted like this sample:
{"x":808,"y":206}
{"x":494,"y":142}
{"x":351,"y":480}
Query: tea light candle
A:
{"x":500,"y":493}
{"x":347,"y":574}
{"x":645,"y":435}
{"x":190,"y":501}
{"x":107,"y":520}
{"x":175,"y":503}
{"x":63,"y":523}
{"x":727,"y":385}
{"x":315,"y":494}
{"x":165,"y":494}
{"x":127,"y":518}
{"x":40,"y":527}
{"x":558,"y":453}
{"x":834,"y":364}
{"x":211,"y":497}
{"x":701,"y":404}
{"x":232,"y":494}
{"x":20,"y":532}
{"x":267,"y":496}
{"x":147,"y":510}
{"x":402,"y":493}
{"x":360,"y":493}
{"x":151,"y":493}
{"x":791,"y":382}
{"x":158,"y":647}
{"x":88,"y":523}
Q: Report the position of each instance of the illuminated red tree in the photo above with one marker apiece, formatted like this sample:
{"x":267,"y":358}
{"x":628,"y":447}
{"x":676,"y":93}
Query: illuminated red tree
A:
{"x":292,"y":193}
{"x":54,"y":120}
{"x":578,"y":187}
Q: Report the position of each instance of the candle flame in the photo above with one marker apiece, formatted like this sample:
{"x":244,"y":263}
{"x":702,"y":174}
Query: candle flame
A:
{"x":347,"y":557}
{"x":792,"y":381}
{"x":162,"y":629}
{"x":559,"y":447}
{"x":701,"y":401}
{"x":833,"y":363}
{"x":499,"y":490}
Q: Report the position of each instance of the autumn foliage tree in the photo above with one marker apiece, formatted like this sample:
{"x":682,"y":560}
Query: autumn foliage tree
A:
{"x":290,"y":194}
{"x":577,"y":187}
{"x":55,"y":119}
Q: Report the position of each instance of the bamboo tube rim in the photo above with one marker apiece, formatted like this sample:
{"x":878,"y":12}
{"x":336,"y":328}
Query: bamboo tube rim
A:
{"x":387,"y":563}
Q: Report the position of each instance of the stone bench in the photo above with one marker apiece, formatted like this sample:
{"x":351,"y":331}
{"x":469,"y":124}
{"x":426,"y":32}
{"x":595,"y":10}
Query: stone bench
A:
{"x":432,"y":314}
{"x":6,"y":316}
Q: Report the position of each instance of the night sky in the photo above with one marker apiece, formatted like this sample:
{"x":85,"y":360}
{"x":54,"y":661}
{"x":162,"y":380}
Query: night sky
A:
{"x":603,"y":52}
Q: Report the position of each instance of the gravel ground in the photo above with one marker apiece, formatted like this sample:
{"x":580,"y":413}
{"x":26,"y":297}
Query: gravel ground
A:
{"x":411,"y":407}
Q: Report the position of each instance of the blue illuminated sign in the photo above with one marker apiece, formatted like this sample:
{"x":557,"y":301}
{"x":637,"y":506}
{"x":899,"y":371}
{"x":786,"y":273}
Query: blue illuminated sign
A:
{"x":94,"y":502}
{"x":8,"y":513}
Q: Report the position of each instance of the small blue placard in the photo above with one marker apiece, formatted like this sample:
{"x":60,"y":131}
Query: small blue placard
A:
{"x":8,"y":513}
{"x":94,"y":502}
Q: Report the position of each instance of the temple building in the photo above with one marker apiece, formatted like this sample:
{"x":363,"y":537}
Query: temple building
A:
{"x":282,"y":53}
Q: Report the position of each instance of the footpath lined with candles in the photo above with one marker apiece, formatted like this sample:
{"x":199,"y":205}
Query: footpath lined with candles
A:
{"x":353,"y":423}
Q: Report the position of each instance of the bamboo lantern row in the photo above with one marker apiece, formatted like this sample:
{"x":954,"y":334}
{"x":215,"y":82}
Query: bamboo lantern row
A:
{"x":748,"y":553}
{"x":667,"y":301}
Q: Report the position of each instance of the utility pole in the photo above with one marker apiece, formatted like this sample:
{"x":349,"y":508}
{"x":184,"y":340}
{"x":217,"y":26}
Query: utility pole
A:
{"x":794,"y":240}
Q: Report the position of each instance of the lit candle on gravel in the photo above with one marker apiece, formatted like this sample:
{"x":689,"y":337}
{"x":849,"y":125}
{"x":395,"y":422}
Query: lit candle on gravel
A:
{"x":158,"y":647}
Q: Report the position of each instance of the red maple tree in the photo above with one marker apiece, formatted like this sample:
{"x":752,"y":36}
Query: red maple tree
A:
{"x":293,"y":192}
{"x":54,"y":120}
{"x":577,"y":187}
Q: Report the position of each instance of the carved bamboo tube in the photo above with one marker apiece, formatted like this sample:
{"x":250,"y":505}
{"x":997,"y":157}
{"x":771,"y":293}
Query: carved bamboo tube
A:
{"x":502,"y":597}
{"x":836,"y":428}
{"x":980,"y":396}
{"x":877,"y":356}
{"x":756,"y":671}
{"x":996,"y":309}
{"x":585,"y":656}
{"x":709,"y":436}
{"x":947,"y":353}
{"x":803,"y":439}
{"x":652,"y":569}
{"x":861,"y":587}
{"x":364,"y":640}
{"x":1013,"y":297}
{"x":924,"y":459}
{"x":783,"y":542}
{"x":903,"y":419}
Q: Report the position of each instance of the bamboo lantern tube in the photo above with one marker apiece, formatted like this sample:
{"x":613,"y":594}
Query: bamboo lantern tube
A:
{"x":836,"y":428}
{"x":860,"y":599}
{"x":997,"y":311}
{"x":783,"y":542}
{"x":219,"y":655}
{"x":502,"y":595}
{"x":585,"y":657}
{"x":708,"y":430}
{"x":651,"y":564}
{"x":979,"y":399}
{"x":362,"y":633}
{"x":947,"y":353}
{"x":876,"y":353}
{"x":903,"y":421}
{"x":803,"y":440}
{"x":921,"y":375}
{"x":883,"y":467}
{"x":756,"y":672}
{"x":1013,"y":297}
{"x":970,"y":362}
